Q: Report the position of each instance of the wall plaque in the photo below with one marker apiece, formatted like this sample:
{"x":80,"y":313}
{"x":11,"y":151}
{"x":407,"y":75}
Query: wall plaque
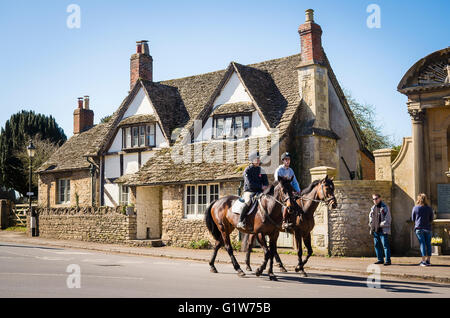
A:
{"x":444,"y":198}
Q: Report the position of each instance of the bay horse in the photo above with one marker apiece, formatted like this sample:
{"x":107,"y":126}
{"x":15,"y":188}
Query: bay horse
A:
{"x":310,"y":198}
{"x":221,"y":221}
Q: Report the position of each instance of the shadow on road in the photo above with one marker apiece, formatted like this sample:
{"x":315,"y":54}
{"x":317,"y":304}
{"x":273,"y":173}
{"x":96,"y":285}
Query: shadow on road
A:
{"x":352,"y":281}
{"x":38,"y":247}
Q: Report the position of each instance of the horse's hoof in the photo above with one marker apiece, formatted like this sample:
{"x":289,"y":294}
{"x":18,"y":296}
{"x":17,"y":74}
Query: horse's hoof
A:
{"x":213,"y":270}
{"x":303,"y":274}
{"x":272,"y":277}
{"x":258,"y":272}
{"x":282,"y":269}
{"x":241,"y":273}
{"x":249,"y":269}
{"x":297,"y":269}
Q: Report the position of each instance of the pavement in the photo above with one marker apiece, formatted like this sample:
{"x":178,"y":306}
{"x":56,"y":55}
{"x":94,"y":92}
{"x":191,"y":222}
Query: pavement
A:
{"x":405,"y":268}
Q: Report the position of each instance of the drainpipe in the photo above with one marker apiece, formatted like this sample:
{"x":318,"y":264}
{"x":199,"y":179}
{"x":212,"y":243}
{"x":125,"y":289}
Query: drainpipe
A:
{"x":93,"y":168}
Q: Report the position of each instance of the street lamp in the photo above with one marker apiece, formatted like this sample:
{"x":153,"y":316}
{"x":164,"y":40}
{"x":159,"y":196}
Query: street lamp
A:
{"x":31,"y":150}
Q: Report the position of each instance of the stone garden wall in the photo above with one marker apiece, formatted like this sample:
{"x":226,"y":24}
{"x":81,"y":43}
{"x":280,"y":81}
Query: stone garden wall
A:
{"x":103,"y":224}
{"x":348,"y":230}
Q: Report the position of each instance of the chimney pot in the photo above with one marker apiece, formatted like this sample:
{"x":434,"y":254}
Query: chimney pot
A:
{"x":80,"y":102}
{"x":309,"y":15}
{"x":86,"y":102}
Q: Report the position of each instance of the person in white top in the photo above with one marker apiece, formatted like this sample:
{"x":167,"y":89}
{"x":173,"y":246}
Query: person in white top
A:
{"x":285,"y":171}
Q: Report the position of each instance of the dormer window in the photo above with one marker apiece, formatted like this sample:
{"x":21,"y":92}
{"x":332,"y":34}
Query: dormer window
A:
{"x":139,"y":136}
{"x":231,"y":126}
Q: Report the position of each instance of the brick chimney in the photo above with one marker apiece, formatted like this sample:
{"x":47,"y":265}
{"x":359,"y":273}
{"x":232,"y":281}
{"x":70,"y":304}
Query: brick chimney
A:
{"x":141,"y":64}
{"x":83,"y":117}
{"x":311,"y":40}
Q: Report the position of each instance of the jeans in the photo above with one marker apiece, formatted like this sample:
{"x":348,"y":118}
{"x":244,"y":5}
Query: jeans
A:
{"x":381,"y":241}
{"x":424,"y":237}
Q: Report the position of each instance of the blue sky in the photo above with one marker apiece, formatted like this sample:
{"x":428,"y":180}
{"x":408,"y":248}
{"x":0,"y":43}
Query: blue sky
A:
{"x":45,"y":65}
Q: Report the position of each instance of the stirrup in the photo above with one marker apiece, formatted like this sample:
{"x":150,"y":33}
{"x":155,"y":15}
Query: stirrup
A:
{"x":241,"y":225}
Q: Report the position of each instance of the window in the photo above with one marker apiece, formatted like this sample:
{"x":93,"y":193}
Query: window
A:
{"x":198,"y":197}
{"x":213,"y":192}
{"x":135,"y":137}
{"x":190,"y":200}
{"x":63,"y":191}
{"x":139,"y":136}
{"x":151,"y":137}
{"x":124,"y":195}
{"x":231,"y":127}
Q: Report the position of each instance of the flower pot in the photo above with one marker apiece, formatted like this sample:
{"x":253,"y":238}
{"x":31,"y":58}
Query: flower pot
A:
{"x":436,"y":250}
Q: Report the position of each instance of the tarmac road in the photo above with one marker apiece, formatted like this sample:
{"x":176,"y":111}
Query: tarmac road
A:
{"x":39,"y":271}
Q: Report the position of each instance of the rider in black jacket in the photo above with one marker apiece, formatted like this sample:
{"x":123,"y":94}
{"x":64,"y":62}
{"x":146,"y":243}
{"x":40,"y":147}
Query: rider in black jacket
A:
{"x":255,"y":181}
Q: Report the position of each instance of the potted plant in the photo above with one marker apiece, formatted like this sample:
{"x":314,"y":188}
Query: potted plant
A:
{"x":436,"y":243}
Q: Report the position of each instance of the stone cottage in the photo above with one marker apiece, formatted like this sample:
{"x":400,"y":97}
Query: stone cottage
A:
{"x":174,"y":146}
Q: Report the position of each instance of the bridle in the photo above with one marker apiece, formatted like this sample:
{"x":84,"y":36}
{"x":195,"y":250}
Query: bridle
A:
{"x":324,"y":200}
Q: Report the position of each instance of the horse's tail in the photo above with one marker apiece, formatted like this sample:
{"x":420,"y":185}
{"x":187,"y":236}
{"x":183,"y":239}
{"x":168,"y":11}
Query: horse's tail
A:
{"x":211,"y":225}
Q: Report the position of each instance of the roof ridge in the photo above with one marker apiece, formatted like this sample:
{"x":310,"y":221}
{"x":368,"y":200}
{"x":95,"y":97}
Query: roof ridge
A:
{"x":224,"y":69}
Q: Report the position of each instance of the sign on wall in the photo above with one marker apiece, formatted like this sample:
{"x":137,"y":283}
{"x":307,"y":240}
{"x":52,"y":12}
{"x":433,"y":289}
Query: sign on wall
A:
{"x":444,"y":198}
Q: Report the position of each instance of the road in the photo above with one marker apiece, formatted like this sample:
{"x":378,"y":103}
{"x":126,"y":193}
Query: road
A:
{"x":38,"y":271}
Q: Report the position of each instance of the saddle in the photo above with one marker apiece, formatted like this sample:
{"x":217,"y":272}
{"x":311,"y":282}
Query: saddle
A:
{"x":239,"y":205}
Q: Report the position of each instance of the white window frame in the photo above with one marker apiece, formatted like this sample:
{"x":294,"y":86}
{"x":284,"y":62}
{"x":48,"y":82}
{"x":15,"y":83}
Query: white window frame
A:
{"x":196,"y":214}
{"x":66,"y":191}
{"x":121,"y":193}
{"x":146,"y":136}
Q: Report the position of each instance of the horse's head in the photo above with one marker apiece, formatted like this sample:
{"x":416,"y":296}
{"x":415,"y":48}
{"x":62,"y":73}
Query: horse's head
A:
{"x":285,"y":195}
{"x":326,"y":192}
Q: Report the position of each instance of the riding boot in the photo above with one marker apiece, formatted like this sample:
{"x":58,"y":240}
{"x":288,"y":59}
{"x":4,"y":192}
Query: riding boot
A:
{"x":241,"y":225}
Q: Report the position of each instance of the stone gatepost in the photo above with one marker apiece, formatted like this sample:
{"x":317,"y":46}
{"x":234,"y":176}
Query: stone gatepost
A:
{"x":320,"y":233}
{"x":318,"y":173}
{"x":383,"y":169}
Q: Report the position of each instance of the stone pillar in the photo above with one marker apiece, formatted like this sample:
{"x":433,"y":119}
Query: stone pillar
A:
{"x":318,"y":173}
{"x":418,"y":117}
{"x":383,"y":168}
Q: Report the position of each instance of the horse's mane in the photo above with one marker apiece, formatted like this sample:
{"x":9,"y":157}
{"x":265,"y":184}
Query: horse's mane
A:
{"x":310,"y":187}
{"x":271,"y":188}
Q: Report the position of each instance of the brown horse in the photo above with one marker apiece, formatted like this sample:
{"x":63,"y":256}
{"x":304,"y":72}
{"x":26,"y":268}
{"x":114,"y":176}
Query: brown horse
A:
{"x":310,"y":198}
{"x":221,"y":221}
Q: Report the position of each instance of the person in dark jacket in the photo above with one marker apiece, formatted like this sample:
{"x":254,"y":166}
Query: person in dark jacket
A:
{"x":380,"y":227}
{"x":422,"y":216}
{"x":255,"y":182}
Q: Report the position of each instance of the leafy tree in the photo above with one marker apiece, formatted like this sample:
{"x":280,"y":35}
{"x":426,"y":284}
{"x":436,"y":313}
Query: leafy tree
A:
{"x":105,"y":119}
{"x":15,"y":137}
{"x":371,"y":128}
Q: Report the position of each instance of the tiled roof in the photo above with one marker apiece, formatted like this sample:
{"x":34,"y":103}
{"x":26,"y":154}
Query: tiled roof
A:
{"x":70,"y":155}
{"x":164,"y":168}
{"x":272,"y":86}
{"x":137,"y":119}
{"x":232,"y":108}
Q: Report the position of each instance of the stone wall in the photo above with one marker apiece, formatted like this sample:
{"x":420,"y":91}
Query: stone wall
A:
{"x":348,"y":224}
{"x":177,"y":230}
{"x":104,"y":224}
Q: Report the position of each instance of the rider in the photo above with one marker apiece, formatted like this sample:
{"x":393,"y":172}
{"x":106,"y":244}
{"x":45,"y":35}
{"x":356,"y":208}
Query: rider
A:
{"x":285,"y":171}
{"x":255,"y":182}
